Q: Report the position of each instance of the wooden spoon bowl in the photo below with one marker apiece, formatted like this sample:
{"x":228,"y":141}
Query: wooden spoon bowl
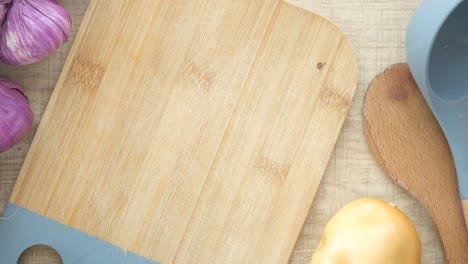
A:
{"x":409,"y":145}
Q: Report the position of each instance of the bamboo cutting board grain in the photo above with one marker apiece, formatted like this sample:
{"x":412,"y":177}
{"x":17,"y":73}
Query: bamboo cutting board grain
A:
{"x":191,"y":131}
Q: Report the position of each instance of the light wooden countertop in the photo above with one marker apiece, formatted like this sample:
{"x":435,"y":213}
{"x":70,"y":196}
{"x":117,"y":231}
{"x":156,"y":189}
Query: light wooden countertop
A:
{"x":376,"y":28}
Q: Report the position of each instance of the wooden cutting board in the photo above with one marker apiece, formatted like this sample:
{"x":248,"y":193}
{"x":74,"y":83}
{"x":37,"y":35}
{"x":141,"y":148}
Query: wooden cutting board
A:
{"x":190,"y":131}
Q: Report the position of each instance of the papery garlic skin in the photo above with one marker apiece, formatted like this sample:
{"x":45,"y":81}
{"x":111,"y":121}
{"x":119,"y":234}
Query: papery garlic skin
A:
{"x":3,"y":9}
{"x":32,"y":31}
{"x":16,"y":117}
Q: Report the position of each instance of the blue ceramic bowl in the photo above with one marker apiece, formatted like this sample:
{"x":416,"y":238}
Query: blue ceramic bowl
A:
{"x":437,"y":53}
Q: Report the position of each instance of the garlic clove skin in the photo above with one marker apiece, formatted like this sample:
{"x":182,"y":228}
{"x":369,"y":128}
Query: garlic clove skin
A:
{"x":16,"y":117}
{"x":3,"y":9}
{"x":32,"y":30}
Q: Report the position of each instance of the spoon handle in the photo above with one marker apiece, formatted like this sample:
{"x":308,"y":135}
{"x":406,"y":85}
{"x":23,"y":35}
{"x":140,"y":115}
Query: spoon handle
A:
{"x":458,"y":140}
{"x":465,"y":211}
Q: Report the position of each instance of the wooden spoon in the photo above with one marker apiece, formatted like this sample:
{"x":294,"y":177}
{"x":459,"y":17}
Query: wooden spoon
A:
{"x":409,"y":145}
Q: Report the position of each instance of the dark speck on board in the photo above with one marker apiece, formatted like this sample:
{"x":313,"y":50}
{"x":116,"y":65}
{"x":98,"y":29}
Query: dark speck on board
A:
{"x":320,"y":65}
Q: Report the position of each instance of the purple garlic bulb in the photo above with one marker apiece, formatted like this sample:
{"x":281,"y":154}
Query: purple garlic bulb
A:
{"x":32,"y":30}
{"x":16,"y":117}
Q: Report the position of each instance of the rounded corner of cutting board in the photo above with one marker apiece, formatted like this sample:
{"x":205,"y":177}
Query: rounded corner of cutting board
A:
{"x":347,"y":46}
